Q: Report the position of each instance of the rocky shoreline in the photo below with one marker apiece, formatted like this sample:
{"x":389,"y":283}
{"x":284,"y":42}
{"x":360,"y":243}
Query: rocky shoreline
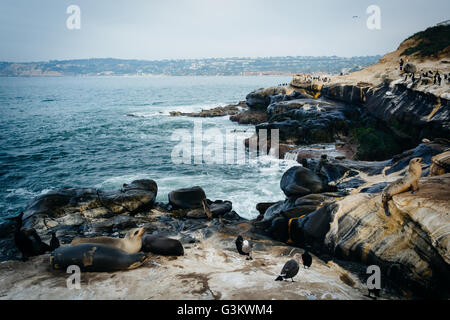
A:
{"x":332,"y":208}
{"x":350,"y":139}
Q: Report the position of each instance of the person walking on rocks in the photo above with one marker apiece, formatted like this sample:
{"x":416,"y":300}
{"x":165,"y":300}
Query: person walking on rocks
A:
{"x":401,"y":64}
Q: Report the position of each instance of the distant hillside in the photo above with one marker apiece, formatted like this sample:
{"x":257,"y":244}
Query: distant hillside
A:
{"x":219,"y":66}
{"x":428,"y":50}
{"x":433,"y":42}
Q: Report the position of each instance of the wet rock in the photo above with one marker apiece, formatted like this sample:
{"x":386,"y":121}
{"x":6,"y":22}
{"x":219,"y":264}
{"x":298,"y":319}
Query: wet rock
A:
{"x":410,"y":112}
{"x":211,"y":113}
{"x":73,"y":206}
{"x":376,"y":188}
{"x":424,"y":150}
{"x":189,"y":198}
{"x":411,"y":246}
{"x":308,"y":121}
{"x":197,"y":214}
{"x":299,"y":181}
{"x":219,"y":207}
{"x":440,"y":164}
{"x":249,"y":117}
{"x":232,"y":216}
{"x":260,"y":98}
{"x":263,"y":206}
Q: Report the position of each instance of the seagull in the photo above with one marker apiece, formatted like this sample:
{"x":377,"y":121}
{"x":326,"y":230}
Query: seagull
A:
{"x":244,"y":247}
{"x":306,"y":260}
{"x":290,"y":269}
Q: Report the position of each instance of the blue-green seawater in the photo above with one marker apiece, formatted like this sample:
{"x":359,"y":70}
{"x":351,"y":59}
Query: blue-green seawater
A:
{"x":106,"y":131}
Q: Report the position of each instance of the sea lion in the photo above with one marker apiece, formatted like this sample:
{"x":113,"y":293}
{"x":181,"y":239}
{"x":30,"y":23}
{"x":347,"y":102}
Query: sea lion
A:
{"x":91,"y":257}
{"x":162,"y":246}
{"x":409,"y":181}
{"x":132,"y":242}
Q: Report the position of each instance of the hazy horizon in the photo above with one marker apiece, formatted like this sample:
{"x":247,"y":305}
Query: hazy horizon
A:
{"x":202,"y":29}
{"x":181,"y":59}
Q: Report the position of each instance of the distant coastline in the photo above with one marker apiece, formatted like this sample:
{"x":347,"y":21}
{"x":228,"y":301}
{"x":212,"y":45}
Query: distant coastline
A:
{"x":272,"y":66}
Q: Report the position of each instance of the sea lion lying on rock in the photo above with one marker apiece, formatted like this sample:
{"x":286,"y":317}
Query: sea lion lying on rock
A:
{"x":96,"y":258}
{"x":132,"y":242}
{"x":162,"y":246}
{"x":409,"y":181}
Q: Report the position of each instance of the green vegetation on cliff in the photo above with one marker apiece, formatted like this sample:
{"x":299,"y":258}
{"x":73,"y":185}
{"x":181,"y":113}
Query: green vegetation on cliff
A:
{"x":430,"y":42}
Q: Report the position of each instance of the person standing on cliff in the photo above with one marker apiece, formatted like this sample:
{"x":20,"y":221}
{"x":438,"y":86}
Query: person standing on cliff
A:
{"x":436,"y":76}
{"x":401,"y":64}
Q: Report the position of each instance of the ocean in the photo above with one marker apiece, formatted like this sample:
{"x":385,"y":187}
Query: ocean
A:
{"x":103,"y":132}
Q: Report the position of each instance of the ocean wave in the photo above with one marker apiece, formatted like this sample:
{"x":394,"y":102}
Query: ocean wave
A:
{"x":25,"y":193}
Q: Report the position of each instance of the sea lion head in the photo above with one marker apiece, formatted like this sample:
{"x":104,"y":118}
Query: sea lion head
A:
{"x":416,"y":160}
{"x":135,"y":234}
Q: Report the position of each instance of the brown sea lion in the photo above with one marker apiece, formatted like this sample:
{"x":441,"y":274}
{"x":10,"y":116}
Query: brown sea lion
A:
{"x":409,"y":182}
{"x":92,"y":257}
{"x":162,"y":246}
{"x":132,"y":242}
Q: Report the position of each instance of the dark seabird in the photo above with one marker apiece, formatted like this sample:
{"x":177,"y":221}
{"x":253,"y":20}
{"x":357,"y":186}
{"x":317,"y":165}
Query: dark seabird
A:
{"x":54,"y":242}
{"x":306,"y":259}
{"x":290,"y":269}
{"x":27,"y":240}
{"x":21,"y":239}
{"x":244,"y":247}
{"x":40,"y":247}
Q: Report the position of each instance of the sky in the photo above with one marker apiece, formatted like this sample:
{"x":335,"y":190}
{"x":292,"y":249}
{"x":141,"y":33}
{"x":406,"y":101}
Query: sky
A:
{"x":189,"y":29}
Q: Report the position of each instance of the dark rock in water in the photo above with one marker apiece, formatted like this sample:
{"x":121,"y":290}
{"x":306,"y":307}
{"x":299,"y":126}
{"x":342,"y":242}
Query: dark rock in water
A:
{"x":260,"y":99}
{"x":262,"y":208}
{"x":376,"y":188}
{"x":299,"y":181}
{"x":232,"y":216}
{"x":219,"y":207}
{"x":189,"y":198}
{"x":250,"y":117}
{"x":274,"y":210}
